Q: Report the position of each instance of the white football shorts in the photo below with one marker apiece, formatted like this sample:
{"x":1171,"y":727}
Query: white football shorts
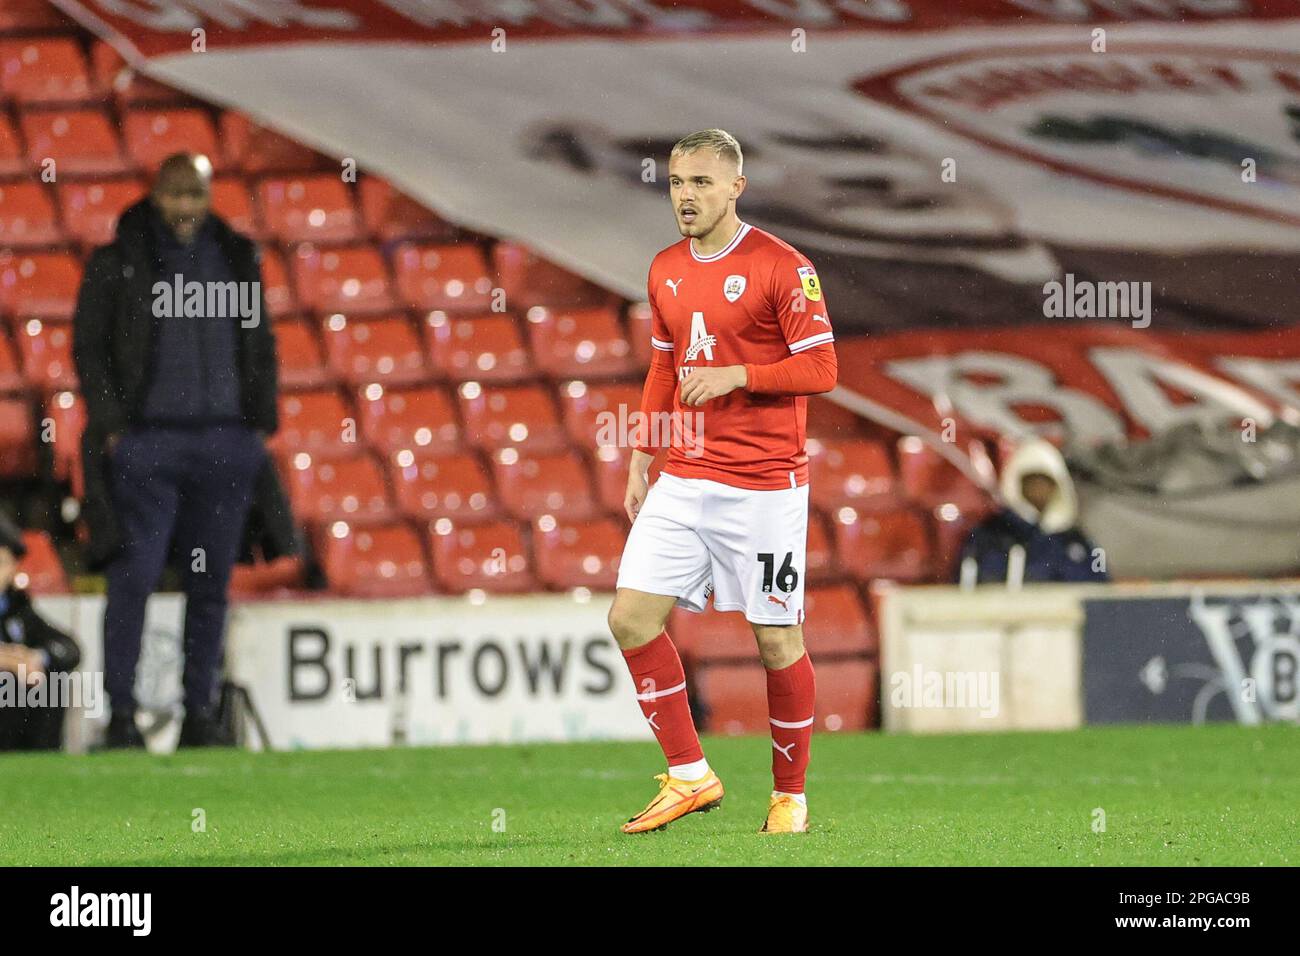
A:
{"x":694,"y":538}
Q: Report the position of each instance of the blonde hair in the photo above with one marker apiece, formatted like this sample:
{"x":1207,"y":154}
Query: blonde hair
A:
{"x":719,"y":141}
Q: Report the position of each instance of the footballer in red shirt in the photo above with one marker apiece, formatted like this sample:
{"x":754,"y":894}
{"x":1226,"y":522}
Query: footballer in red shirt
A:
{"x":741,"y":336}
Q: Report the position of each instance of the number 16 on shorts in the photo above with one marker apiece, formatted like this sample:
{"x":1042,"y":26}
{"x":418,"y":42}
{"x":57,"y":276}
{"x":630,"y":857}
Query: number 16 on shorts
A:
{"x":784,"y":578}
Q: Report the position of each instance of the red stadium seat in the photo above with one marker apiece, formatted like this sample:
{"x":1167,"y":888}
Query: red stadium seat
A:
{"x":385,"y":350}
{"x":712,"y":636}
{"x":18,"y":439}
{"x":90,"y":210}
{"x":638,"y":334}
{"x":530,"y":280}
{"x":382,"y":561}
{"x":502,"y":416}
{"x":848,"y":695}
{"x":833,"y":423}
{"x":596,"y":414}
{"x":153,"y":135}
{"x":450,"y":277}
{"x":836,"y":623}
{"x":350,"y":279}
{"x":734,"y":697}
{"x":892,"y":544}
{"x":302,"y":365}
{"x":536,"y":485}
{"x":422,"y":420}
{"x":611,"y":463}
{"x":40,"y":284}
{"x":266,"y":579}
{"x":27,"y":216}
{"x":67,"y":413}
{"x":929,"y":479}
{"x":850,"y":472}
{"x":44,"y":71}
{"x":110,"y":72}
{"x":11,"y":373}
{"x":952,"y":526}
{"x":579,"y":343}
{"x":256,"y":149}
{"x":318,"y":423}
{"x":316,"y":208}
{"x":429,"y":487}
{"x":485,"y":348}
{"x":276,"y":288}
{"x":578,"y":554}
{"x":490,"y":557}
{"x":13,"y":158}
{"x":389,"y":215}
{"x":80,"y":142}
{"x":346,"y":489}
{"x":40,"y":571}
{"x":46,"y":350}
{"x":232,"y":201}
{"x":819,"y":553}
{"x":20,"y":16}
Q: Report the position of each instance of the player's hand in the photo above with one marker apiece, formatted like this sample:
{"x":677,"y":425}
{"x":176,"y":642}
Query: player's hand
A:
{"x":638,"y":484}
{"x":705,"y":384}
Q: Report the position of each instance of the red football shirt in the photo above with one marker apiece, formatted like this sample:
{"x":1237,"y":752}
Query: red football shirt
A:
{"x":755,"y":302}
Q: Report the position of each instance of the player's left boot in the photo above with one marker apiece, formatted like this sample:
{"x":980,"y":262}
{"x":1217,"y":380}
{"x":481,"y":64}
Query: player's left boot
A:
{"x":785,"y":814}
{"x":675,"y":799}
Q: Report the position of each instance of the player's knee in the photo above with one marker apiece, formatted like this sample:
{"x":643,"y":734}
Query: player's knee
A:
{"x":629,"y":628}
{"x":779,"y":647}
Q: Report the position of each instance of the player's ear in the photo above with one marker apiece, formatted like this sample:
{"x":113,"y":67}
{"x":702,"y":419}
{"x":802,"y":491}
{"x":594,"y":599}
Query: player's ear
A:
{"x":738,"y":186}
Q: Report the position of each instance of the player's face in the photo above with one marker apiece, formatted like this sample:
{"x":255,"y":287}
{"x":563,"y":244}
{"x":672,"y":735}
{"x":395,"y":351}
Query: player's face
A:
{"x":703,"y":187}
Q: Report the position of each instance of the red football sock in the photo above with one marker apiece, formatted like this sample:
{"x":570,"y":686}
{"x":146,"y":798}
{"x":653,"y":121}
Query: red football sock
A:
{"x":661,"y":692}
{"x":791,"y":695}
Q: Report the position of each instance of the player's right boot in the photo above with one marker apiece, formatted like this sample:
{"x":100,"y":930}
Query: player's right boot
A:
{"x":675,"y":799}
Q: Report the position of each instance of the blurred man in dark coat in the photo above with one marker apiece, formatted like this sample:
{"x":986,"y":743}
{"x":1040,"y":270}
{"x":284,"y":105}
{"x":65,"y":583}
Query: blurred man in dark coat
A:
{"x":178,"y":369}
{"x":1037,"y":525}
{"x":32,"y":651}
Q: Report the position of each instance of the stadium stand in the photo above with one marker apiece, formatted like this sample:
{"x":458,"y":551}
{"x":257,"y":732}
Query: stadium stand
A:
{"x":430,"y":441}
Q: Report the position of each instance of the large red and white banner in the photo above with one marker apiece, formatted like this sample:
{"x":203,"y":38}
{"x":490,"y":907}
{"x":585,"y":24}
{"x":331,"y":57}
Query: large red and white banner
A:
{"x":939,"y":162}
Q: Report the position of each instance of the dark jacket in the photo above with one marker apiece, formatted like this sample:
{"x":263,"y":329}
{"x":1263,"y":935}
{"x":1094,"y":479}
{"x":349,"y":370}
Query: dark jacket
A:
{"x":1063,"y":556}
{"x":114,"y":338}
{"x":20,"y":624}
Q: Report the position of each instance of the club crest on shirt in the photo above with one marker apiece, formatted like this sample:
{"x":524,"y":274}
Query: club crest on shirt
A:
{"x":811,"y":287}
{"x":733,"y":287}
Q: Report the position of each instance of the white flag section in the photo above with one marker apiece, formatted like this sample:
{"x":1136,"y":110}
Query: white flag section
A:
{"x":432,"y":671}
{"x":991,"y":158}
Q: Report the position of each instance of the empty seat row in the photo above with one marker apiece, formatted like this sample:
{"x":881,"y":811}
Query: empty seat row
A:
{"x":314,"y":208}
{"x":89,"y":141}
{"x":352,"y":280}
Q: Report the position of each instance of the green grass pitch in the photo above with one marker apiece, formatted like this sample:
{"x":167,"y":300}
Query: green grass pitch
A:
{"x":1215,"y":795}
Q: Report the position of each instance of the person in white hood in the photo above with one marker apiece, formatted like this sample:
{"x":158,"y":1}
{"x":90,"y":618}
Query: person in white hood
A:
{"x":1038,"y":518}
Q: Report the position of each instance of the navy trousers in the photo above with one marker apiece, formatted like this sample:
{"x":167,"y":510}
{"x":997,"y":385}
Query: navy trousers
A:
{"x":193,"y":487}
